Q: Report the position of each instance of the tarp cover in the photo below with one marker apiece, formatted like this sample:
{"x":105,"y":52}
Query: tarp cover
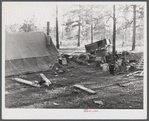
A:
{"x":28,"y":52}
{"x":91,"y":48}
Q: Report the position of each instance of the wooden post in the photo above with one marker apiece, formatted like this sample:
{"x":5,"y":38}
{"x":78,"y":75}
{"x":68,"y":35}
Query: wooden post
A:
{"x":91,"y":32}
{"x":48,"y":28}
{"x":79,"y":33}
{"x":57,"y":34}
{"x":134,"y":28}
{"x":114,"y":29}
{"x":79,"y":28}
{"x":91,"y":27}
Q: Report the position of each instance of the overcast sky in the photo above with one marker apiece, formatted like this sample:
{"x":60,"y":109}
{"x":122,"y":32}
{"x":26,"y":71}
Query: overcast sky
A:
{"x":17,"y":12}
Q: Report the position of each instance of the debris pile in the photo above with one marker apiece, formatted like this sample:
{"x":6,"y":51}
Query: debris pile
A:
{"x":98,"y":55}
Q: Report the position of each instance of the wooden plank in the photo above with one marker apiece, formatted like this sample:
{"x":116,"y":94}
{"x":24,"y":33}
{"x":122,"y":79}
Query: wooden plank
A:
{"x":85,"y":89}
{"x":142,"y":73}
{"x":46,"y":79}
{"x":133,"y":73}
{"x":26,"y":82}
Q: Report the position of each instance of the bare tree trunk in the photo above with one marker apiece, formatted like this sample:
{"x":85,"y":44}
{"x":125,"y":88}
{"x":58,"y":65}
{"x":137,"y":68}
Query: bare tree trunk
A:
{"x":79,"y":33}
{"x":48,"y":28}
{"x":125,"y":30}
{"x":114,"y":29}
{"x":125,"y":35}
{"x":134,"y":28}
{"x":91,"y":26}
{"x":57,"y":33}
{"x":79,"y":29}
{"x":91,"y":32}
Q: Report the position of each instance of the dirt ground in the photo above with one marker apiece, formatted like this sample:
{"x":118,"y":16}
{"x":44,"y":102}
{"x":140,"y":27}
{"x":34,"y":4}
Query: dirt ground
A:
{"x":115,"y":92}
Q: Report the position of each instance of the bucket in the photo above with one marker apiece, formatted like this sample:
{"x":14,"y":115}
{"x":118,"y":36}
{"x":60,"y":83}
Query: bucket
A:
{"x":64,"y":61}
{"x":98,"y":59}
{"x":105,"y":67}
{"x":119,"y":62}
{"x":116,"y":65}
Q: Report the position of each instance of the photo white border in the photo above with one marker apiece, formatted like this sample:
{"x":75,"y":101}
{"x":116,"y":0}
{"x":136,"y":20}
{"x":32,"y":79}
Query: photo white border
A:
{"x":77,"y":113}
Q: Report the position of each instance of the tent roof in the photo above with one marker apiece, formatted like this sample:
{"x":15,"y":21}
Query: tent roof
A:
{"x":27,"y":45}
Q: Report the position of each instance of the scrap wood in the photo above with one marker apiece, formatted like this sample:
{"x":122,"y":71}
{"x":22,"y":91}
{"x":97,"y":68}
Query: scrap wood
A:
{"x":99,"y":102}
{"x":45,"y":79}
{"x":55,"y":103}
{"x":85,"y":89}
{"x":139,"y":75}
{"x":26,"y":82}
{"x":139,"y":69}
{"x":142,"y":73}
{"x":134,"y":73}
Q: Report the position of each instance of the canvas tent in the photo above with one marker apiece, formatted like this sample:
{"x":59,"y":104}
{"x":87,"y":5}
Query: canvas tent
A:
{"x":28,"y":52}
